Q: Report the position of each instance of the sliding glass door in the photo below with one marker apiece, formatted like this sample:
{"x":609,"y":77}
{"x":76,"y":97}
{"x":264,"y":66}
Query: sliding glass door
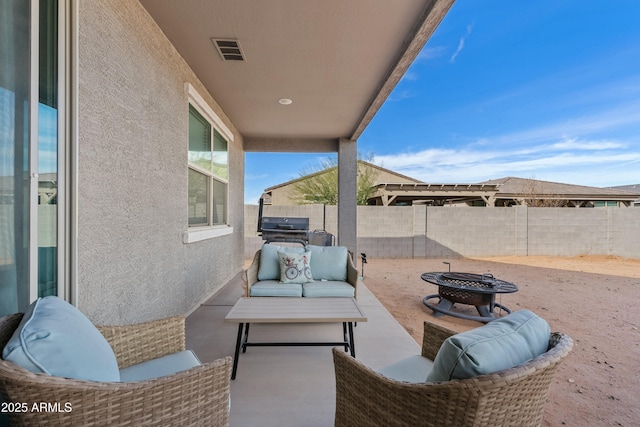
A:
{"x":30,"y":145}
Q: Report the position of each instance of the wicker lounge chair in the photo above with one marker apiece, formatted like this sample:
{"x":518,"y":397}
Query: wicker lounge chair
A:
{"x":512,"y":397}
{"x":198,"y":396}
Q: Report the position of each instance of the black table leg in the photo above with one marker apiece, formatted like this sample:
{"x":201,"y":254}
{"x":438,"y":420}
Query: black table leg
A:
{"x":246,"y":338}
{"x":345,"y":336}
{"x":237,"y":352}
{"x":352,"y":340}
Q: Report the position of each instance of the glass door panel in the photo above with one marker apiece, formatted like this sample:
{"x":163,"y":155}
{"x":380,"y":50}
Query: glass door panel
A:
{"x":48,"y":149}
{"x":15,"y":70}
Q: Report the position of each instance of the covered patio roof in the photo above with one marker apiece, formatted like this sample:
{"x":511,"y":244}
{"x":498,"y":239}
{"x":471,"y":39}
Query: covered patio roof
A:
{"x":336,"y":61}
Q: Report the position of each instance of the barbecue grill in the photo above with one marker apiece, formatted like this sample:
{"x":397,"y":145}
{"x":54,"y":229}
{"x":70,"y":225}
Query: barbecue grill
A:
{"x":292,"y":230}
{"x":283,"y":229}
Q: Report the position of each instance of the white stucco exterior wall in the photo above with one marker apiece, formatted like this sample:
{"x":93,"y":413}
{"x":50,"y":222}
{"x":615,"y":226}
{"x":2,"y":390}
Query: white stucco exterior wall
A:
{"x":132,"y":173}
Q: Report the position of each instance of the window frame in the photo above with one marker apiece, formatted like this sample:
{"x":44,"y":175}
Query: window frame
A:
{"x":197,"y":233}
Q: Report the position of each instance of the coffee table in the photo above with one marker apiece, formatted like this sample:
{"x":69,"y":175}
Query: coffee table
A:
{"x":293,"y":310}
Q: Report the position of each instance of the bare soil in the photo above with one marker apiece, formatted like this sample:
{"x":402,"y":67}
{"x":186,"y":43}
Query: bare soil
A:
{"x":593,"y":299}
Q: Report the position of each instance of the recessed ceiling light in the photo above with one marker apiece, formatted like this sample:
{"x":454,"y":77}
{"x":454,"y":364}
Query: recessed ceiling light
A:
{"x":285,"y":101}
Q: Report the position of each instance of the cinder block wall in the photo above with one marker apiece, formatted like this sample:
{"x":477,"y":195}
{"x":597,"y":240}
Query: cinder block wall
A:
{"x":444,"y":232}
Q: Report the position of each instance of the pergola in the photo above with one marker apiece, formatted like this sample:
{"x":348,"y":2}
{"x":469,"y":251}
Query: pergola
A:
{"x":434,"y":194}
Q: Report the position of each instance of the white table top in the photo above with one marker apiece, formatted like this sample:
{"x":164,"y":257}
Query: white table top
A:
{"x":295,"y":310}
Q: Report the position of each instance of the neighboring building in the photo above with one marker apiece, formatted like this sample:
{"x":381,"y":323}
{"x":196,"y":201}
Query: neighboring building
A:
{"x":507,"y":191}
{"x":532,"y":192}
{"x":283,"y":194}
{"x":634,"y":188}
{"x":125,"y":123}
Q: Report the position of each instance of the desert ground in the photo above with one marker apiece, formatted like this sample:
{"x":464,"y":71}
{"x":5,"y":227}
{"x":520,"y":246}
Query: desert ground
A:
{"x":593,"y":299}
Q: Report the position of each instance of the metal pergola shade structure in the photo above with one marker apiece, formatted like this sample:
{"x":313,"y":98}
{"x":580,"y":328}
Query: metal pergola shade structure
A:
{"x":436,"y":194}
{"x":500,"y":192}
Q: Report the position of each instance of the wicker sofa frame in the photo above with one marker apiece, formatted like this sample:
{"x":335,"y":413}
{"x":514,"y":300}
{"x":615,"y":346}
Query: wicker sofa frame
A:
{"x":513,"y":397}
{"x":196,"y":397}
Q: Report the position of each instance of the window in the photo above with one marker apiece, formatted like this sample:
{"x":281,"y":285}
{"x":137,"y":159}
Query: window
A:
{"x":605,"y":203}
{"x":208,"y":172}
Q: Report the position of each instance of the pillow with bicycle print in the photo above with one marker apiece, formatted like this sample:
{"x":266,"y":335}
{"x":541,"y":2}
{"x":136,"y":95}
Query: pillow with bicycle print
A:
{"x":294,"y":268}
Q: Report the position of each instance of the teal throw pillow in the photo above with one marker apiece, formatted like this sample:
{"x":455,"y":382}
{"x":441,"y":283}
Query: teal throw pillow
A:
{"x":55,"y":338}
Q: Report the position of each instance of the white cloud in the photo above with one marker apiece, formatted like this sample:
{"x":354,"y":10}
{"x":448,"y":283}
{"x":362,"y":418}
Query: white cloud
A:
{"x":431,"y":52}
{"x":461,"y":44}
{"x":401,"y":95}
{"x":577,"y":144}
{"x":573,"y":161}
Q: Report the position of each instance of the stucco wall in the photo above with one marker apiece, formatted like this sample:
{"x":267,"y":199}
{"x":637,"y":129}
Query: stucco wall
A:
{"x":132,"y":173}
{"x":445,"y":232}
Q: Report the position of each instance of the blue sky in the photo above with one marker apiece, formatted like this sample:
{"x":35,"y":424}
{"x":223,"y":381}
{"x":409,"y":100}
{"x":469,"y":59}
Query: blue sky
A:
{"x":547,"y":90}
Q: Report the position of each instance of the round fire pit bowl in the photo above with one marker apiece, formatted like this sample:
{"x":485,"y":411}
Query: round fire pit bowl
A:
{"x":478,"y":290}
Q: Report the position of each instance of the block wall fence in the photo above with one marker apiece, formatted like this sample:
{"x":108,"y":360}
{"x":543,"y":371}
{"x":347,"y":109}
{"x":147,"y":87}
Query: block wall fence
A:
{"x":449,"y":232}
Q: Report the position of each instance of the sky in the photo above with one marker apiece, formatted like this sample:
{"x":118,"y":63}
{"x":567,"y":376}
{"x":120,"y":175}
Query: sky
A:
{"x":546,"y":90}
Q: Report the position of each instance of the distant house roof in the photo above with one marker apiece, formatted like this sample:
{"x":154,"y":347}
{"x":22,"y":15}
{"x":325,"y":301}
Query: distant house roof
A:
{"x":634,"y":188}
{"x":280,"y":194}
{"x":502,"y":192}
{"x":379,"y":168}
{"x":512,"y":186}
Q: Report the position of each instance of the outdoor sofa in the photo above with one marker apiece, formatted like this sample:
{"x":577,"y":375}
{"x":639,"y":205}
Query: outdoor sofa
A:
{"x":310,"y":271}
{"x":57,"y":368}
{"x":495,"y":375}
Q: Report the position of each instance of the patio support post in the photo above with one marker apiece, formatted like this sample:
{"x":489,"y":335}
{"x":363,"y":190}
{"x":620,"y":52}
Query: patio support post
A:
{"x":347,"y":191}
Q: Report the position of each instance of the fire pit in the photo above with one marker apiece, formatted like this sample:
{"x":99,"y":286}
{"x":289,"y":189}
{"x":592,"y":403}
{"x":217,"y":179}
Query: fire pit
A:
{"x":466,"y":288}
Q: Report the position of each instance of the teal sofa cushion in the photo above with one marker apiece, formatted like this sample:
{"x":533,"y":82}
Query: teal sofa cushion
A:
{"x":273,"y":288}
{"x":269,"y":264}
{"x":160,"y":367}
{"x":328,"y":262}
{"x":55,"y":338}
{"x":498,"y":345}
{"x":330,"y":288}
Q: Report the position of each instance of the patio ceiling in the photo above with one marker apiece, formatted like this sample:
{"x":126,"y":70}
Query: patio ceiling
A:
{"x":336,"y":60}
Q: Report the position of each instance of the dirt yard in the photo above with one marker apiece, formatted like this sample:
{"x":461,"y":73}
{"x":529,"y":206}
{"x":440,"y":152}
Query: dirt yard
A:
{"x":595,"y":300}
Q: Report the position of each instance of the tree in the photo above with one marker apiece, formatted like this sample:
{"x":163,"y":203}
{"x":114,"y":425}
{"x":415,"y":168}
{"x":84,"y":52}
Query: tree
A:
{"x":535,"y":194}
{"x":319,"y":183}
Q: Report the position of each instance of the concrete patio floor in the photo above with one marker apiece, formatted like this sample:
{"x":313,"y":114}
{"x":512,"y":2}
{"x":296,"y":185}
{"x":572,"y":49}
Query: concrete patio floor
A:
{"x":291,"y":386}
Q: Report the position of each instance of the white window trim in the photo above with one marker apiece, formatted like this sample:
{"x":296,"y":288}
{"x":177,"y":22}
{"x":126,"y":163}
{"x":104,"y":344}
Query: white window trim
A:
{"x":198,"y":234}
{"x":198,"y":101}
{"x":204,"y":233}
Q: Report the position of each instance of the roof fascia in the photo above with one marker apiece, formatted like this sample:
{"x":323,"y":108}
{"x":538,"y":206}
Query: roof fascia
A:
{"x":290,"y":145}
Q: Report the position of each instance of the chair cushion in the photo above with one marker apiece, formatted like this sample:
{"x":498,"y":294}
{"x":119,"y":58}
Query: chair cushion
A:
{"x":413,"y":369}
{"x":329,"y":262}
{"x":273,"y":288}
{"x":294,"y":268}
{"x":332,"y":288}
{"x":498,"y":345}
{"x":160,"y":367}
{"x":55,"y":338}
{"x":269,"y":268}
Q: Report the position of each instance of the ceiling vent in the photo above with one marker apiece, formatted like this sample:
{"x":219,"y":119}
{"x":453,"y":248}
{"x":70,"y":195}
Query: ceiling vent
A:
{"x":228,"y":49}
